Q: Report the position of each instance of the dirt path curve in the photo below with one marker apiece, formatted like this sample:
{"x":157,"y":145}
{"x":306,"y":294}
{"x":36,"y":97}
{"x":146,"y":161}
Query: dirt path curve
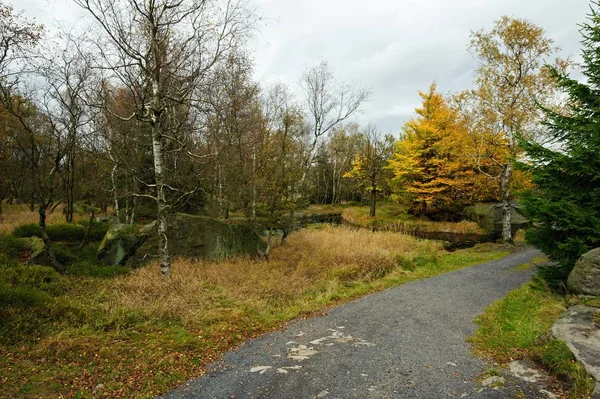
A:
{"x":405,"y":342}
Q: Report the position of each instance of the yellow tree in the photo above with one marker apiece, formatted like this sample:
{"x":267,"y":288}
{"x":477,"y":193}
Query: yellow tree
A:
{"x":510,"y":83}
{"x":431,"y":164}
{"x":369,"y":166}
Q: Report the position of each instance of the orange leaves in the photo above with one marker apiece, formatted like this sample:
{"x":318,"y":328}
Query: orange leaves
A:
{"x":433,"y":163}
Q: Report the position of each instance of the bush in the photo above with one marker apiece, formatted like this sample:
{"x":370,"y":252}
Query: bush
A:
{"x":98,"y":229}
{"x":27,"y":230}
{"x":57,"y":232}
{"x":21,"y":297}
{"x":35,"y":277}
{"x":11,"y":246}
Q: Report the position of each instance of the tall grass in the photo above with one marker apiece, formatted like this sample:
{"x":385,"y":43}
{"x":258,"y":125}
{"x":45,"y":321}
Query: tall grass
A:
{"x":312,"y":260}
{"x":395,"y":219}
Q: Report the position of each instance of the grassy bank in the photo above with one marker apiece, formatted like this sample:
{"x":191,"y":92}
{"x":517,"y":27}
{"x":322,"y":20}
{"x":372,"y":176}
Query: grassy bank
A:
{"x":139,"y":335}
{"x":509,"y":330}
{"x":394,"y":217}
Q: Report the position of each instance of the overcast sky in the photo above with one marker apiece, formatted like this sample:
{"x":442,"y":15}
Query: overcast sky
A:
{"x":393,"y":47}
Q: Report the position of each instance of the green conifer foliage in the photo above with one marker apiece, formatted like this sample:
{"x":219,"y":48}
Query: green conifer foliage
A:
{"x":565,"y":203}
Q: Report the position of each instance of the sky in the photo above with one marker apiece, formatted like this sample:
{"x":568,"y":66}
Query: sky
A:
{"x":392,"y":47}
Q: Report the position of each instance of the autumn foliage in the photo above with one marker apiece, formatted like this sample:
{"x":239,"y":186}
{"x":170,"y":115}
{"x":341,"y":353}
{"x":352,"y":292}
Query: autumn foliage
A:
{"x":433,"y":165}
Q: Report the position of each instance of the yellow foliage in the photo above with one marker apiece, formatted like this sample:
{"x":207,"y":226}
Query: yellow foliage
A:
{"x":434,"y":164}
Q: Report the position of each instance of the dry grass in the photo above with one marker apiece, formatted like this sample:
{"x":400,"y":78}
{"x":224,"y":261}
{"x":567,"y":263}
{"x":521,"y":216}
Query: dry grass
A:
{"x":14,"y":216}
{"x":207,"y":292}
{"x":393,"y":218}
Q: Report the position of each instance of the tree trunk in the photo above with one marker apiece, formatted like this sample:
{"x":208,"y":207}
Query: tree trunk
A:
{"x":113,"y":180}
{"x":70,"y":188}
{"x":161,"y":203}
{"x":373,"y":202}
{"x":47,"y":242}
{"x":506,"y":208}
{"x":85,"y":238}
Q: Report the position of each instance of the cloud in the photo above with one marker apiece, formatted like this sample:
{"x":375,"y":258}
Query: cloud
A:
{"x":395,"y":48}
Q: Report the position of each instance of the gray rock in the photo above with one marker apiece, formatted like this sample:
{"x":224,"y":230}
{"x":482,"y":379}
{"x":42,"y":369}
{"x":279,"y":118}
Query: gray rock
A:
{"x":200,"y":237}
{"x":489,"y":218}
{"x":493,"y":381}
{"x":119,"y":244}
{"x":577,"y":328}
{"x":585,"y":276}
{"x":36,"y":248}
{"x":104,"y":219}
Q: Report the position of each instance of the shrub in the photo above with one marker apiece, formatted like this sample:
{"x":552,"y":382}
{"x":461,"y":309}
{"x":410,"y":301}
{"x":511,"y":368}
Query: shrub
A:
{"x":11,"y":246}
{"x":41,"y":278}
{"x":57,"y":232}
{"x":21,"y":297}
{"x":27,"y":230}
{"x":98,"y":229}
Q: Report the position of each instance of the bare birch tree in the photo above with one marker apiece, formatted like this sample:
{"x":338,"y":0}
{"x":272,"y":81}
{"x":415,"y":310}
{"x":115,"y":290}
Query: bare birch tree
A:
{"x":160,"y":50}
{"x":327,"y":104}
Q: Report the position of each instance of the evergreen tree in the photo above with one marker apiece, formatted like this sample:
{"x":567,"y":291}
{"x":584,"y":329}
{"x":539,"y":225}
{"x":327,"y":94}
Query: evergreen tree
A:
{"x":432,"y":166}
{"x":565,"y":204}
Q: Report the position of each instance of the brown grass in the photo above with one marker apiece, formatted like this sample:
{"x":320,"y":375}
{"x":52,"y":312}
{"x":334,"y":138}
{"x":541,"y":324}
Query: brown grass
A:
{"x":394,"y":218}
{"x":16,"y":215}
{"x":203,"y":291}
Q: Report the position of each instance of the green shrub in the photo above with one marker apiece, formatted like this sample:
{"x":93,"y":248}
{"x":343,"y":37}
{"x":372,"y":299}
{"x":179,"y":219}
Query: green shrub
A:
{"x":64,"y":254}
{"x":41,"y":278}
{"x":98,"y":229}
{"x":68,"y":232}
{"x":21,"y":297}
{"x":12,"y":246}
{"x":27,"y":230}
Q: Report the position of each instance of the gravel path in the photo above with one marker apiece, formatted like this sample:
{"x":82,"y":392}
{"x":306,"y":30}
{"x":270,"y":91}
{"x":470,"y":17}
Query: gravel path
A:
{"x":405,"y":342}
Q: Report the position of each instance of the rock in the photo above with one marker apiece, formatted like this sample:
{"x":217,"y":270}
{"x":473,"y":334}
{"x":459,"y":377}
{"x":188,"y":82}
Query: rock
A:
{"x":585,"y":276}
{"x":119,"y":244}
{"x":493,"y":382}
{"x":489,"y":218}
{"x":36,"y":248}
{"x":200,"y":237}
{"x":577,"y":328}
{"x":104,"y":219}
{"x":522,"y":371}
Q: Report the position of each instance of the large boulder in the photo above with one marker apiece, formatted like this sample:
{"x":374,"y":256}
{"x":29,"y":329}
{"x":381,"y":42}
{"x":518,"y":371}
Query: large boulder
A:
{"x":578,"y":328}
{"x":201,"y":237}
{"x":585,"y":276}
{"x":489,"y":218}
{"x":38,"y":255}
{"x":120,"y":243}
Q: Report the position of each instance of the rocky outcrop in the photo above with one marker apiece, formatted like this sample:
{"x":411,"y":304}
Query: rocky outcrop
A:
{"x":120,"y":243}
{"x":35,"y":245}
{"x":585,"y":276}
{"x":200,"y":237}
{"x":578,"y":328}
{"x":489,"y":218}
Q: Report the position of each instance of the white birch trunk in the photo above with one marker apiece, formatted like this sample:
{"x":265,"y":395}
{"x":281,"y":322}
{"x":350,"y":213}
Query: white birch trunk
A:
{"x":505,"y":179}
